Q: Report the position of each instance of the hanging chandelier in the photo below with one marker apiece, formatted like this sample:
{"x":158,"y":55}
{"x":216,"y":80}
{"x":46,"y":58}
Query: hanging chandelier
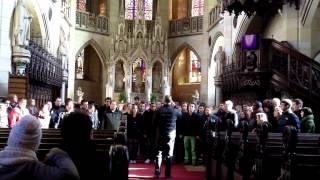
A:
{"x":260,"y":7}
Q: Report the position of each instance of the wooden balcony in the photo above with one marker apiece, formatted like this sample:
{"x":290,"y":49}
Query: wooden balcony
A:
{"x":130,"y":25}
{"x":278,"y":66}
{"x":186,"y":26}
{"x":86,"y":21}
{"x":214,"y":16}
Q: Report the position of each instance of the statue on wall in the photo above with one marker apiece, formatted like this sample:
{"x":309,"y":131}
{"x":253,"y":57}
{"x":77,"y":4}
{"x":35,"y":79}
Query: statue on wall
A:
{"x":20,"y":37}
{"x":220,"y":59}
{"x":111,"y":75}
{"x":63,"y":54}
{"x":119,"y":86}
{"x":21,"y":26}
{"x":79,"y":66}
{"x":138,"y":83}
{"x":156,"y":77}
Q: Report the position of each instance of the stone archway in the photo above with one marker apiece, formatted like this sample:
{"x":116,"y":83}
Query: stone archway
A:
{"x":214,"y":70}
{"x":185,"y":75}
{"x":88,"y":75}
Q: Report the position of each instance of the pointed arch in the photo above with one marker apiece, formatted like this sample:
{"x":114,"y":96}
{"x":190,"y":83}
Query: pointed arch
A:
{"x":214,"y":40}
{"x":157,"y":59}
{"x":124,"y":61}
{"x":139,"y":53}
{"x":34,"y":8}
{"x":177,"y":52}
{"x":96,"y":47}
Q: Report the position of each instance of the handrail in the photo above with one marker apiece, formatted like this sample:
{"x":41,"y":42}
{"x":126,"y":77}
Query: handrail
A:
{"x":89,"y":22}
{"x":300,"y":71}
{"x":186,"y":26}
{"x":130,"y":25}
{"x":214,"y":16}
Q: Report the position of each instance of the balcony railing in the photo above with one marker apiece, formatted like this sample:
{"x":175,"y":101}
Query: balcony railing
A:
{"x":186,"y":26}
{"x":89,"y":22}
{"x":214,"y":16}
{"x":130,"y":24}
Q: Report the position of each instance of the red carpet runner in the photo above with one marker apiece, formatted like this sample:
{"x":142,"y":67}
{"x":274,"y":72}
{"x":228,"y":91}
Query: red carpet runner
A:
{"x":179,"y":172}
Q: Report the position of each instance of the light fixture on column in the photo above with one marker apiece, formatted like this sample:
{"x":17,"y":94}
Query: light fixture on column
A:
{"x":260,"y":7}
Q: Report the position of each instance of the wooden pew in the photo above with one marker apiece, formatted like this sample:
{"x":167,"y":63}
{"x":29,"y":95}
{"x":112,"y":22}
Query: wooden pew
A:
{"x":103,"y":139}
{"x":259,"y":155}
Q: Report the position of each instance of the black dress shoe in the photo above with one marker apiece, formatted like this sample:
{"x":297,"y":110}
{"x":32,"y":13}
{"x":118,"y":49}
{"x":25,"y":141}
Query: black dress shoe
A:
{"x":157,"y":174}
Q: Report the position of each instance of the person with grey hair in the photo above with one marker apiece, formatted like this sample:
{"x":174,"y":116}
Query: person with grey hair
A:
{"x":18,"y":160}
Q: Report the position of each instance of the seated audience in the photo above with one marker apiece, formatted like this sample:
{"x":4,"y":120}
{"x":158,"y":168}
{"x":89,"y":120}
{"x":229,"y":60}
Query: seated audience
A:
{"x":287,"y":117}
{"x":69,"y":108}
{"x":32,"y":107}
{"x":297,"y":105}
{"x":76,"y":132}
{"x":231,"y":114}
{"x":276,"y":114}
{"x":111,"y":119}
{"x":18,"y":112}
{"x":93,"y":114}
{"x":18,"y":160}
{"x":57,"y":108}
{"x":44,"y":116}
{"x":307,"y":122}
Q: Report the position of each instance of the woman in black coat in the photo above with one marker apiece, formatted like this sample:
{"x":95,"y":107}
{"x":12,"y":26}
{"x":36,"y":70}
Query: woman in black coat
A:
{"x":133,"y":132}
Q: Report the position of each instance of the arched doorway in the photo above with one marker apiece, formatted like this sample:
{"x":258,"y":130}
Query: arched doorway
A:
{"x":88,"y":75}
{"x":186,"y":75}
{"x":214,"y":70}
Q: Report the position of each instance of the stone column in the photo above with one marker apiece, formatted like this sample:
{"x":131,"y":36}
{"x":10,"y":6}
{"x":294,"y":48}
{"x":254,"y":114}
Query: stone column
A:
{"x":20,"y":37}
{"x":218,"y":85}
{"x":5,"y":44}
{"x":148,"y":83}
{"x":20,"y":57}
{"x":128,"y":84}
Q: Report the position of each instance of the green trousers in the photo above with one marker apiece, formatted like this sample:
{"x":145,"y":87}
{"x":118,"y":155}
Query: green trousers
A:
{"x":190,"y":149}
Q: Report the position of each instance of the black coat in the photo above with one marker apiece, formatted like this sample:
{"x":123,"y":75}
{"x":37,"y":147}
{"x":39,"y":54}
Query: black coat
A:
{"x":91,"y":164}
{"x":166,"y":119}
{"x":191,"y":124}
{"x":134,"y":126}
{"x":148,"y":124}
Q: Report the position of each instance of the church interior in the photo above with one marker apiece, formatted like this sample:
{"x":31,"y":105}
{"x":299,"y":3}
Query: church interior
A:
{"x":202,"y":52}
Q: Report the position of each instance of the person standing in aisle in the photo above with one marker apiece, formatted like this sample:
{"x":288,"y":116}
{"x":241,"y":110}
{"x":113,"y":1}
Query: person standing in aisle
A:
{"x":166,"y":118}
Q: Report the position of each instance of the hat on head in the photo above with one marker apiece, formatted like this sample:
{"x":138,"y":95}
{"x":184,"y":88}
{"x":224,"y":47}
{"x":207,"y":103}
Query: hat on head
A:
{"x":26,"y":133}
{"x":287,"y":102}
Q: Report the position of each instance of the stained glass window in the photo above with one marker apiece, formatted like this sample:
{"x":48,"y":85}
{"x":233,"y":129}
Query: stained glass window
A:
{"x":131,"y":9}
{"x":195,"y":68}
{"x":197,"y":7}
